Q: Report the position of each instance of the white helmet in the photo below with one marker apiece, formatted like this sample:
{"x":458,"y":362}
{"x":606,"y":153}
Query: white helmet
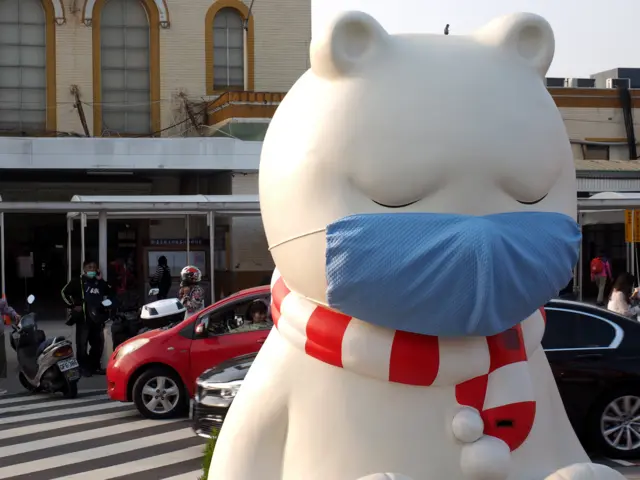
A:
{"x":190,"y":275}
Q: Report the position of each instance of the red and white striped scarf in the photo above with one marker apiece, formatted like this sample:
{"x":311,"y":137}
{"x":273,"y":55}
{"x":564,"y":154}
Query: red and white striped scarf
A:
{"x":490,"y":373}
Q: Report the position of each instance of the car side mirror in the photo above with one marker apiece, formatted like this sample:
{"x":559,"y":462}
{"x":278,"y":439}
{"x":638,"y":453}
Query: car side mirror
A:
{"x":201,"y":330}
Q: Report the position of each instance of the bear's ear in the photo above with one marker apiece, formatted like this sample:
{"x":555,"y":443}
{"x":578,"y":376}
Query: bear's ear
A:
{"x":352,"y":39}
{"x":525,"y":34}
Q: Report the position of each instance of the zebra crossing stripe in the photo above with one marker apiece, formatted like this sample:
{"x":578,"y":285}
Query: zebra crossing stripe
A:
{"x":80,"y":436}
{"x":146,"y":464}
{"x":20,"y":431}
{"x":57,"y":413}
{"x":29,"y":467}
{"x":187,"y":476}
{"x":93,"y":438}
{"x":36,"y":398}
{"x":48,"y":405}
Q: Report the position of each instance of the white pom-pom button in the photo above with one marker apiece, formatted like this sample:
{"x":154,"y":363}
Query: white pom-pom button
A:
{"x":467,"y":425}
{"x":487,"y":459}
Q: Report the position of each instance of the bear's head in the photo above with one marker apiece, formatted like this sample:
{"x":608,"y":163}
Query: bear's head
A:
{"x":411,"y":123}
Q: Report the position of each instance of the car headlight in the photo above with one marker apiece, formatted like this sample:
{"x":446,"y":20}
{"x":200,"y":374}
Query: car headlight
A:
{"x":131,"y":347}
{"x":223,"y":390}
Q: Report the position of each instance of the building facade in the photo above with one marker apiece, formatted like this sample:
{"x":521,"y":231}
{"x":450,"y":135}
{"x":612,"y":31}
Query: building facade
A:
{"x":132,"y":64}
{"x":600,"y":117}
{"x":141,"y":97}
{"x":173,"y":97}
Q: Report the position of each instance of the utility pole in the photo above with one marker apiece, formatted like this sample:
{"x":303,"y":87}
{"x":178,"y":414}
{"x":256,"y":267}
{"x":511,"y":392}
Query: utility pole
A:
{"x":75,"y":91}
{"x":190,"y":114}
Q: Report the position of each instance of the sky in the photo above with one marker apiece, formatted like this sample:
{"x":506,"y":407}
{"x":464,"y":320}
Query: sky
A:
{"x":591,"y":35}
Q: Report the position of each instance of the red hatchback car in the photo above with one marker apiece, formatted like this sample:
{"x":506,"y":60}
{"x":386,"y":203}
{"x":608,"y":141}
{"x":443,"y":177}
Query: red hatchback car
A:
{"x":158,"y":369}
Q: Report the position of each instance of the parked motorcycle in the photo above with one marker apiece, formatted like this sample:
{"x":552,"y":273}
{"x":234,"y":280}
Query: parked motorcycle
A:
{"x":46,"y":364}
{"x":159,"y":314}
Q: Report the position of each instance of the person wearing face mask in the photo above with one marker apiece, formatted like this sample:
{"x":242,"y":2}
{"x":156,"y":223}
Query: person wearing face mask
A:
{"x":82,"y":296}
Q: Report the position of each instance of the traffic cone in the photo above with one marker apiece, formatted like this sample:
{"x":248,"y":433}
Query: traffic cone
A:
{"x":6,"y":318}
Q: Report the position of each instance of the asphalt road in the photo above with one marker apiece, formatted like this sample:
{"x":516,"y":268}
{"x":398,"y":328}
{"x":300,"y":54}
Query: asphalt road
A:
{"x":43,"y":437}
{"x":11,"y":385}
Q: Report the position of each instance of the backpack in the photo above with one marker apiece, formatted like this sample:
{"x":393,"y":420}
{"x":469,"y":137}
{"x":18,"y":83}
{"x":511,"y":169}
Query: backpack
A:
{"x":597,"y":266}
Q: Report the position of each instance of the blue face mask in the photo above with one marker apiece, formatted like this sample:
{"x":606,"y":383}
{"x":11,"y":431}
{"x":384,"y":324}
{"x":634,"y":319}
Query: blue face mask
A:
{"x":445,"y":274}
{"x":91,"y":274}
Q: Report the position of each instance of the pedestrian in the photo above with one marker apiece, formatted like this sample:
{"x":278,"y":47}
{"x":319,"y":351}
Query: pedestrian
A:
{"x":6,"y":310}
{"x":162,"y":278}
{"x":191,"y":294}
{"x":600,"y":273}
{"x":622,"y":297}
{"x":84,"y":297}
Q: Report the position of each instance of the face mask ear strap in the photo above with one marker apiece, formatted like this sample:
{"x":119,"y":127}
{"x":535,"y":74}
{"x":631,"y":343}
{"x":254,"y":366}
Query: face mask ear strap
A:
{"x":313,"y":232}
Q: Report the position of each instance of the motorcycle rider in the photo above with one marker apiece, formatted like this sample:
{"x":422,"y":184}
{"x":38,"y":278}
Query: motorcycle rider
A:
{"x":191,"y":294}
{"x":81,"y":296}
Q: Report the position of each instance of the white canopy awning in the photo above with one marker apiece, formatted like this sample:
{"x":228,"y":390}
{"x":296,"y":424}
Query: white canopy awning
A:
{"x":607,"y":207}
{"x":231,"y":205}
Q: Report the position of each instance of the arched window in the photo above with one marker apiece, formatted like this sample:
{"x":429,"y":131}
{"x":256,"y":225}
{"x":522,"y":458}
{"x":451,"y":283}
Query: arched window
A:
{"x":125,"y":55}
{"x":226,"y":65}
{"x":228,"y":50}
{"x":23,"y":65}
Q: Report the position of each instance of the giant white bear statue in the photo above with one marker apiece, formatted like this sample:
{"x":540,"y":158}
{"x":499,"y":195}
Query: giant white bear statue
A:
{"x":418,"y":196}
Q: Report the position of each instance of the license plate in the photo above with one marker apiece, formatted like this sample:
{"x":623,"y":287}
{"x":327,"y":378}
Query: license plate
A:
{"x":68,"y":364}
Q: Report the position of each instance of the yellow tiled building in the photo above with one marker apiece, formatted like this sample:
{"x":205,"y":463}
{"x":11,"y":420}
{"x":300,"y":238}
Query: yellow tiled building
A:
{"x":211,"y":70}
{"x":199,"y":69}
{"x":132,"y":62}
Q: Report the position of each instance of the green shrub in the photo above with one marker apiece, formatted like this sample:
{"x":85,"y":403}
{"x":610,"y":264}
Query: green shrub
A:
{"x":208,"y":453}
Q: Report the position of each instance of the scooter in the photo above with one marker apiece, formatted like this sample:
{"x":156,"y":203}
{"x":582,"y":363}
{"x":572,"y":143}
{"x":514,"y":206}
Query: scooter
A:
{"x":154,"y":315}
{"x":46,"y":364}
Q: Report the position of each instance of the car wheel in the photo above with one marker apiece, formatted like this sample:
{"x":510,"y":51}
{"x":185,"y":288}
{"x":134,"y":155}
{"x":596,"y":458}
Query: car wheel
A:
{"x":159,"y":393}
{"x":614,"y":424}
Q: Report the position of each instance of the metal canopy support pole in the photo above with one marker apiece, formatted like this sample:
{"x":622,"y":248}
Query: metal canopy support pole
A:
{"x":102,"y":243}
{"x":633,"y":245}
{"x":2,"y":255}
{"x":626,"y":251}
{"x":580,"y":266}
{"x":3,"y":352}
{"x":69,"y":243}
{"x":212,"y":251}
{"x":576,"y":268}
{"x":187,"y":226}
{"x":83,"y":225}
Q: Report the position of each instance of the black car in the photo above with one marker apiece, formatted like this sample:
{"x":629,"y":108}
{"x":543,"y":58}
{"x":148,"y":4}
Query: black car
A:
{"x":215,"y":390}
{"x":595,"y":358}
{"x":594,"y":355}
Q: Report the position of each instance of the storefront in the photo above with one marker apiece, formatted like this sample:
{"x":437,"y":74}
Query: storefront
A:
{"x":115,"y":231}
